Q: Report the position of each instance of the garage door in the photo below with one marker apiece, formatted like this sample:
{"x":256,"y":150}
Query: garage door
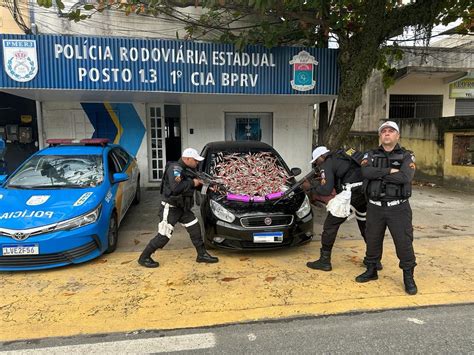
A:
{"x":464,"y":107}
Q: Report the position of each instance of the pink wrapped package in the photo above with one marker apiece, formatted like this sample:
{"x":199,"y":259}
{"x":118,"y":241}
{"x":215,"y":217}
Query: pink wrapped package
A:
{"x":275,"y":195}
{"x":240,"y":198}
{"x":258,"y":199}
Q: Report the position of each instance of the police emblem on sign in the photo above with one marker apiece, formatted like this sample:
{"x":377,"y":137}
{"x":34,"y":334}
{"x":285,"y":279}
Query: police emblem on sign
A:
{"x":19,"y":59}
{"x":303,"y":69}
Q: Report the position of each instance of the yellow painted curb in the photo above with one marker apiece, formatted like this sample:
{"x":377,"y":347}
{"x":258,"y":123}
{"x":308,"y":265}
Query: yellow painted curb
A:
{"x":114,"y":294}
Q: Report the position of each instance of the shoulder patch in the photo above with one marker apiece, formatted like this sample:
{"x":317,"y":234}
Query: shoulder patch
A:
{"x":177,"y":170}
{"x":350,"y":151}
{"x":412,"y":157}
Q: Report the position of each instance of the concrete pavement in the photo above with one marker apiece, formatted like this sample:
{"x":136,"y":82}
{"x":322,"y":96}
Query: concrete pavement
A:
{"x":114,"y":294}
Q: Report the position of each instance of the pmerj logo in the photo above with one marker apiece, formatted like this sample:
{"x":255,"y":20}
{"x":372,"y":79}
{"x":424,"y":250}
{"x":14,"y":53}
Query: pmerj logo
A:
{"x":303,"y":69}
{"x":19,"y":59}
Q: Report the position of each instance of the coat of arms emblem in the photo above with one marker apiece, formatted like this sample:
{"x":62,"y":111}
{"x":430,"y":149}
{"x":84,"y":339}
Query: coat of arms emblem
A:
{"x":19,"y":59}
{"x":303,"y":69}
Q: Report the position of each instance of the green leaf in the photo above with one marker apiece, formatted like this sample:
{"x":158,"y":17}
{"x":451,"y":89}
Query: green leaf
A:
{"x":89,"y":7}
{"x":60,"y":4}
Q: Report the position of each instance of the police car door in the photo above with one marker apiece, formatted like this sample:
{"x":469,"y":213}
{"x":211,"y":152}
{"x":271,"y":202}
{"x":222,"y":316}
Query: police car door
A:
{"x":128,"y":167}
{"x":115,"y":166}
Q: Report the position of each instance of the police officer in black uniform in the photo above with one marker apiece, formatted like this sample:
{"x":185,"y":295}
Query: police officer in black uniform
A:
{"x":389,"y":170}
{"x":177,"y":190}
{"x":337,"y":169}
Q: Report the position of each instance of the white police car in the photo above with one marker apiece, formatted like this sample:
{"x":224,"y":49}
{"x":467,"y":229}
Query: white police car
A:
{"x":65,"y":203}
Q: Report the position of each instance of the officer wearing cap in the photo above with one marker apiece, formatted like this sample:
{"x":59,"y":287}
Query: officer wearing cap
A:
{"x":177,"y":190}
{"x":337,"y":169}
{"x":389,"y":170}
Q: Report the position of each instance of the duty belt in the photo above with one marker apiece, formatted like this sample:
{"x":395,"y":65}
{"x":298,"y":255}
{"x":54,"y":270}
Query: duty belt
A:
{"x":387,"y":203}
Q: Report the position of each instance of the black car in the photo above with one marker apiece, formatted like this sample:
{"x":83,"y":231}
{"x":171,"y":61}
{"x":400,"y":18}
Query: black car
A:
{"x":237,"y":221}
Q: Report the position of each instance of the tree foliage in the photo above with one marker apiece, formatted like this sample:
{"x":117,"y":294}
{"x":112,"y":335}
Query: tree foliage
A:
{"x":361,"y":29}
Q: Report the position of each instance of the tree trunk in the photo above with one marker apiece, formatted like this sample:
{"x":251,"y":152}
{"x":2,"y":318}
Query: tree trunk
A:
{"x":323,"y":121}
{"x":358,"y":56}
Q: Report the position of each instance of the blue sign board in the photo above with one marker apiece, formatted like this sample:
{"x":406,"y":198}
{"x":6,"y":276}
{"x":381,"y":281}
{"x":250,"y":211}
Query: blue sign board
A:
{"x":157,"y":65}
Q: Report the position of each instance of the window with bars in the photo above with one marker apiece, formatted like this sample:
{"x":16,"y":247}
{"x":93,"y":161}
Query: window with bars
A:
{"x":416,"y":106}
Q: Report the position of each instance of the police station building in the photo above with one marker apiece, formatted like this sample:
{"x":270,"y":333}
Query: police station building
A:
{"x":156,"y":97}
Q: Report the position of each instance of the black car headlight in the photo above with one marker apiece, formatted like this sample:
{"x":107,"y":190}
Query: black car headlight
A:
{"x":304,"y":209}
{"x":81,"y":221}
{"x":221,"y":213}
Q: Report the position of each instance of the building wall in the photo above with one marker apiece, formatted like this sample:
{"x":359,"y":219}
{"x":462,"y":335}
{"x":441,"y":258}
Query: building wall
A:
{"x":69,"y":120}
{"x":291,"y":128}
{"x":422,"y":137}
{"x":415,"y":84}
{"x":7,"y":24}
{"x":429,"y":156}
{"x":372,"y":110}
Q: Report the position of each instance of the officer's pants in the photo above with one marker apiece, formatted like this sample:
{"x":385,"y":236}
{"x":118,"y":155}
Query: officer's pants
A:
{"x":398,"y":219}
{"x":332,"y":223}
{"x":169,"y":216}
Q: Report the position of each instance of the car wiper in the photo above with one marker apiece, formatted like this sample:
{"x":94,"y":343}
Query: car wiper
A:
{"x":21,"y":187}
{"x":52,"y":187}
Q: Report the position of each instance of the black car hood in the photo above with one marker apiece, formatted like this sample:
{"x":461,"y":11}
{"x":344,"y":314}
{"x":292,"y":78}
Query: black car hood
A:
{"x":287,"y":205}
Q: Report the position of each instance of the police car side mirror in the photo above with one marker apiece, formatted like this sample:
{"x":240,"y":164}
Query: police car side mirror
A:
{"x":295,"y":171}
{"x":3,"y":178}
{"x":119,"y":177}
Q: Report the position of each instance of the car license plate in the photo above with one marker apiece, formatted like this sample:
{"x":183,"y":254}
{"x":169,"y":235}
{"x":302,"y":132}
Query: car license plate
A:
{"x":16,"y":249}
{"x":268,"y":237}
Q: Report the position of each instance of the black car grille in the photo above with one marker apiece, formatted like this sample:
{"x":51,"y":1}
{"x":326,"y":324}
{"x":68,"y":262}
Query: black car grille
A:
{"x":276,"y":221}
{"x":47,"y":259}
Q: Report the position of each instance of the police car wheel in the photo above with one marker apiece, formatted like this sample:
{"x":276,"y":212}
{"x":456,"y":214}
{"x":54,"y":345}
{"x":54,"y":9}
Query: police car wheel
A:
{"x":112,"y":234}
{"x":136,"y":199}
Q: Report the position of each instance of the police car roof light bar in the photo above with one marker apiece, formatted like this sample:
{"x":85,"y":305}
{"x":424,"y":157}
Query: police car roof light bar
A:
{"x":95,"y":141}
{"x":67,"y":141}
{"x":54,"y":142}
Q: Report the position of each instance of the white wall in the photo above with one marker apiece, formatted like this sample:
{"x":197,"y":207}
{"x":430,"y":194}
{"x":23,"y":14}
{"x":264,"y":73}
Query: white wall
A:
{"x":292,"y":128}
{"x":416,"y":84}
{"x":68,"y":120}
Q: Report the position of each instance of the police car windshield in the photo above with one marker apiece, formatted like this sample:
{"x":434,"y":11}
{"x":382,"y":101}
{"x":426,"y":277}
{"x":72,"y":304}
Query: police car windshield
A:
{"x":59,"y":171}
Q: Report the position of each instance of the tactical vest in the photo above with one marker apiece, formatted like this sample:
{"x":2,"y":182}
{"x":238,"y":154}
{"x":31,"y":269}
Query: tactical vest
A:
{"x":381,"y":190}
{"x":353,"y":174}
{"x":184,"y":200}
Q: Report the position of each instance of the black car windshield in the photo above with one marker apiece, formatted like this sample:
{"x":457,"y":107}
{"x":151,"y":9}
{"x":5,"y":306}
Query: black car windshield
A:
{"x":253,"y":173}
{"x":59,"y":171}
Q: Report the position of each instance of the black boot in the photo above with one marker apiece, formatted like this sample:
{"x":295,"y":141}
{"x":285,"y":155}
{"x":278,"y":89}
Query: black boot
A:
{"x":378,"y":266}
{"x":145,"y":258}
{"x":409,"y":281}
{"x":369,"y":275}
{"x":323,"y":263}
{"x":205,"y":257}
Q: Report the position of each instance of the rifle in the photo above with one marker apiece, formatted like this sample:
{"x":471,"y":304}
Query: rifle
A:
{"x":292,"y":189}
{"x":207,"y":179}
